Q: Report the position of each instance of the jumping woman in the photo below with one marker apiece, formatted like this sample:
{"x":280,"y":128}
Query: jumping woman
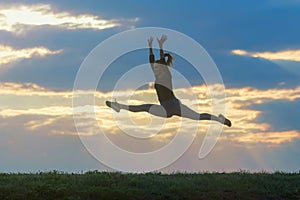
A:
{"x":169,"y":104}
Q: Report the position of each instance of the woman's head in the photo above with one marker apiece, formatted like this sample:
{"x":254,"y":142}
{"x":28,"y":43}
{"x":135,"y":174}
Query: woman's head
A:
{"x":163,"y":61}
{"x":169,"y":60}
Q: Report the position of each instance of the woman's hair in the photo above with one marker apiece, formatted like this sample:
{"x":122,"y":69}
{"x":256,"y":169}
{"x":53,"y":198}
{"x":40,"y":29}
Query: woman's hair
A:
{"x":170,"y":59}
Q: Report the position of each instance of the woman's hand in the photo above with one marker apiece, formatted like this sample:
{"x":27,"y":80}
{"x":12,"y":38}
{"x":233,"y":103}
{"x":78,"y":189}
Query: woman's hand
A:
{"x":150,"y":40}
{"x":162,"y":40}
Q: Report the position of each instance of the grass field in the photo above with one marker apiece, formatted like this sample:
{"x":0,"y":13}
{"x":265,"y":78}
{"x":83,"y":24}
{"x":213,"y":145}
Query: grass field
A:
{"x":111,"y":185}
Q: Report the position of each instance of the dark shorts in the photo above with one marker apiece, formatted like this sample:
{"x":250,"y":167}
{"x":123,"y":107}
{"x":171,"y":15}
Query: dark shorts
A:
{"x":172,"y":106}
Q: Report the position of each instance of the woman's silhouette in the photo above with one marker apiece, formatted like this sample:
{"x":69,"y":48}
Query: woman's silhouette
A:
{"x":169,"y":104}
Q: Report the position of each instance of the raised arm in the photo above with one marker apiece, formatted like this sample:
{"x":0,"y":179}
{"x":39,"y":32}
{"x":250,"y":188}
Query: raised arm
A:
{"x":151,"y":55}
{"x":161,"y":42}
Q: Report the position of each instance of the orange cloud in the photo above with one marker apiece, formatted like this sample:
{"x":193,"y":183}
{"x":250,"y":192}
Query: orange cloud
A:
{"x":273,"y":138}
{"x":289,"y":55}
{"x":21,"y":18}
{"x":9,"y":54}
{"x":49,"y":111}
{"x":56,"y":106}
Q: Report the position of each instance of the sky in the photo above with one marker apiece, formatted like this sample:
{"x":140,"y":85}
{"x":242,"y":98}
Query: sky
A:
{"x":254,"y":44}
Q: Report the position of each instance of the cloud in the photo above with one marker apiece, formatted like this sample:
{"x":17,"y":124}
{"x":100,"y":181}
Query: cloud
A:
{"x":31,"y":112}
{"x":21,"y":18}
{"x":287,"y":55}
{"x":30,"y":89}
{"x":272,"y":138}
{"x":246,"y":128}
{"x":8,"y":54}
{"x":49,"y":111}
{"x":52,"y":112}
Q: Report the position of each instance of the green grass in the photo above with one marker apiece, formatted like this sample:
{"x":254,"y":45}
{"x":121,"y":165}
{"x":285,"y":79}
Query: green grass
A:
{"x":109,"y":185}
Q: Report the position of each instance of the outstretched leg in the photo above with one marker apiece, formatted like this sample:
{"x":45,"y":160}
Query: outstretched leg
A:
{"x":191,"y":114}
{"x":153,"y":109}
